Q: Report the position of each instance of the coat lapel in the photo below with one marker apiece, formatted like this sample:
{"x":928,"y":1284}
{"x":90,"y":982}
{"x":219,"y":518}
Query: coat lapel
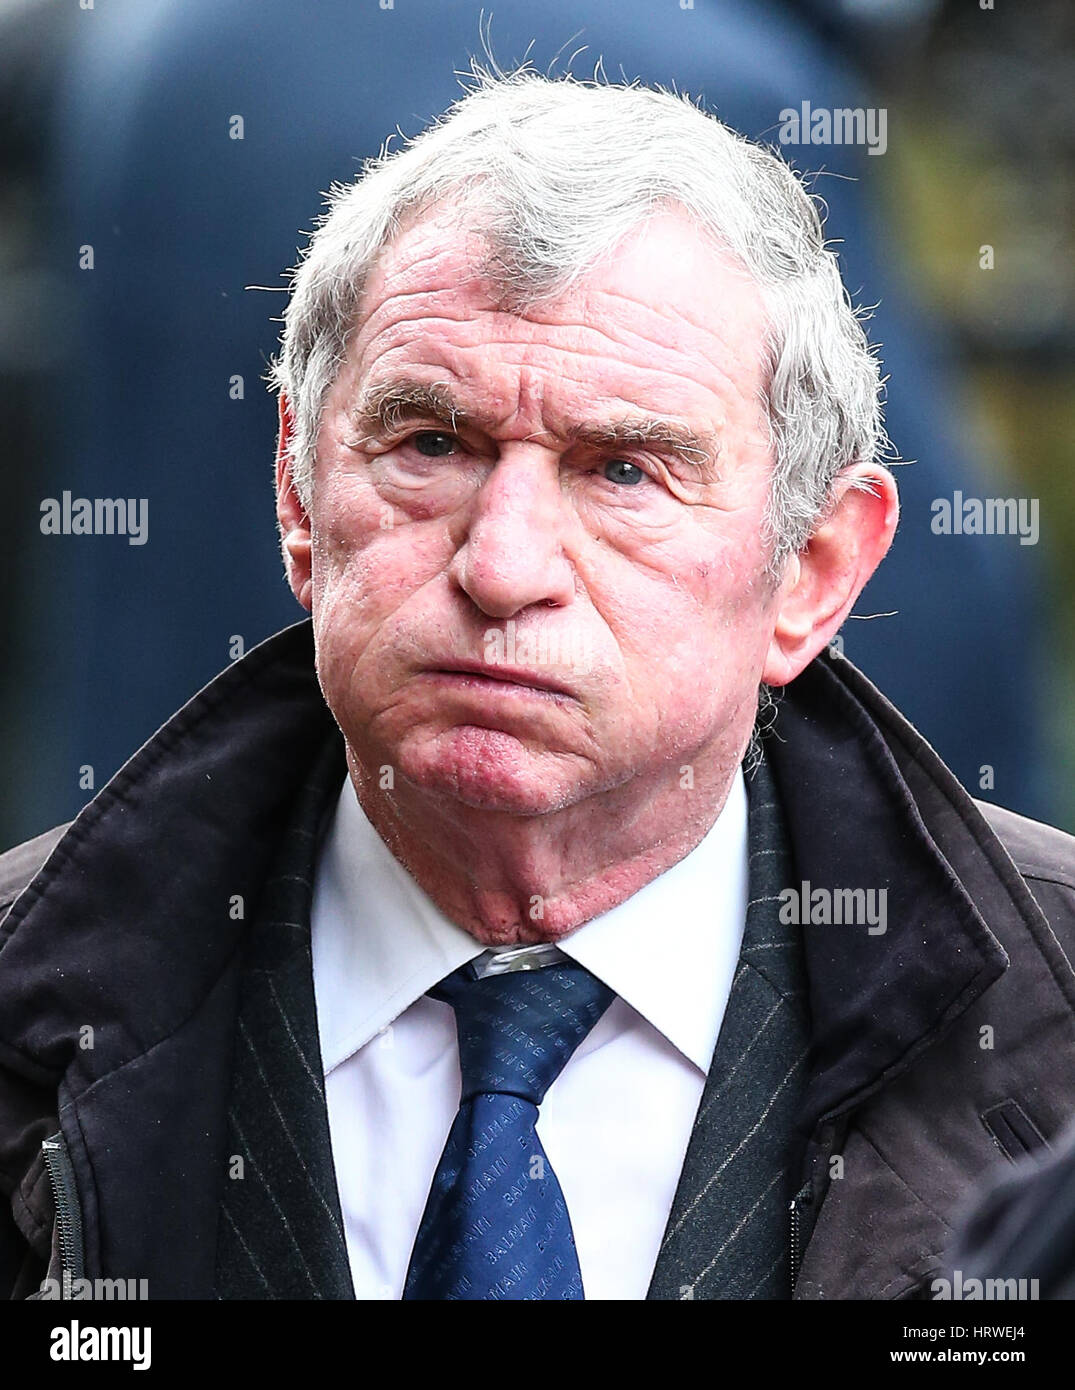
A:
{"x":280,"y":1232}
{"x":727,"y":1234}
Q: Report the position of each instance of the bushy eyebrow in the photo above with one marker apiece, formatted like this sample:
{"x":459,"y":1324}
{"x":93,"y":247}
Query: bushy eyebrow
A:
{"x":654,"y":433}
{"x":383,"y":409}
{"x":387,"y":407}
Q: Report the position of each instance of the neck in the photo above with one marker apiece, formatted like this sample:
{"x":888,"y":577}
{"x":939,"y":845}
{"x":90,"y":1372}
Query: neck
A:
{"x":517,"y":880}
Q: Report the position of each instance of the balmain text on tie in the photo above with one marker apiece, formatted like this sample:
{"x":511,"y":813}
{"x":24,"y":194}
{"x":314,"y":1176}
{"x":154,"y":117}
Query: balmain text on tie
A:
{"x":495,"y":1224}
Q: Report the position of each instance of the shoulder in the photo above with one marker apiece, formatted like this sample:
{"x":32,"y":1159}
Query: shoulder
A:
{"x":19,"y":865}
{"x":1039,"y":851}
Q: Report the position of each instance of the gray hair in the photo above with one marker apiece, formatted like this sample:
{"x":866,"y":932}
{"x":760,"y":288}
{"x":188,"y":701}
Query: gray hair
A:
{"x":554,"y":173}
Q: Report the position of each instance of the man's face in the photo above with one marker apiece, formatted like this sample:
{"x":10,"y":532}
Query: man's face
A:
{"x":529,"y":583}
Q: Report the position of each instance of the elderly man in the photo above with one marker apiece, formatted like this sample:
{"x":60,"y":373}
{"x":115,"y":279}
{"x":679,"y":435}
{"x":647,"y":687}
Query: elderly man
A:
{"x":479,"y":940}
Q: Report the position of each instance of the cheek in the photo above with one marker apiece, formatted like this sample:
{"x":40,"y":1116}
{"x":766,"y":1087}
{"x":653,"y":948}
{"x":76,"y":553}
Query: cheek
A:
{"x":362,"y":549}
{"x":374,"y":584}
{"x":691,"y":625}
{"x":695,"y":586}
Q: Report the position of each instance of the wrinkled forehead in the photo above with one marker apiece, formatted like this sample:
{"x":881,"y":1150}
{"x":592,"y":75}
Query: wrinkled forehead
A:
{"x":493,"y":245}
{"x":666,"y":306}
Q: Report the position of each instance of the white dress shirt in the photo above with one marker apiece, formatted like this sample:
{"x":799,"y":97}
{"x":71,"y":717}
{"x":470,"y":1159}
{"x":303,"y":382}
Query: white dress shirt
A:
{"x":616,"y":1122}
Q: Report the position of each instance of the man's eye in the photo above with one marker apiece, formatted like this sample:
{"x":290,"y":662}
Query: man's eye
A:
{"x":434,"y":443}
{"x":620,"y":471}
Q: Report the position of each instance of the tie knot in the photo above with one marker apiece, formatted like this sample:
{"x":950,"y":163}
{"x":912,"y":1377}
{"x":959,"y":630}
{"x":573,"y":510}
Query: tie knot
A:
{"x":517,"y":1030}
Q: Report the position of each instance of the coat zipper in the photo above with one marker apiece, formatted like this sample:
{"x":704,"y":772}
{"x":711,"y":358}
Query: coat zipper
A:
{"x":802,"y":1198}
{"x":68,"y":1211}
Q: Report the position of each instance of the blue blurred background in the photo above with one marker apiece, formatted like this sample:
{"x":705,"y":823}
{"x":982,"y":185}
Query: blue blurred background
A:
{"x":141,"y":377}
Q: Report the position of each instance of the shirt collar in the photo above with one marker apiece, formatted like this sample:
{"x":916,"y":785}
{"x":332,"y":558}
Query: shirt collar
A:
{"x":670,"y":950}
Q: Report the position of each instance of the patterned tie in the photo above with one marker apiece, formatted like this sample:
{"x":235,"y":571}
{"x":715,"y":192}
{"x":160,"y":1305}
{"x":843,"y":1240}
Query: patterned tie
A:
{"x":496,"y":1225}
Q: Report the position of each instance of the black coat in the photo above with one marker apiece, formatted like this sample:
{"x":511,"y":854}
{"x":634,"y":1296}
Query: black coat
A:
{"x":939,"y":1049}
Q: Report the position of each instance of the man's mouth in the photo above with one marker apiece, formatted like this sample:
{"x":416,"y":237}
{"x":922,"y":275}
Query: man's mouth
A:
{"x":499,"y":680}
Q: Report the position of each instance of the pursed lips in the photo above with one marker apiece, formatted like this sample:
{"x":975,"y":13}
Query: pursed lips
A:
{"x":500,"y":679}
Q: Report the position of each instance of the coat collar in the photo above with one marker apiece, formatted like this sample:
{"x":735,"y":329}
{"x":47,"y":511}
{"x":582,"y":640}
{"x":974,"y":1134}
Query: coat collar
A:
{"x":870,"y":805}
{"x":141,"y":903}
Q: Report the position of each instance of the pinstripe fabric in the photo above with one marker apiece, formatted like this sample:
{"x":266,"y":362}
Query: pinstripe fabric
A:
{"x":727,"y":1234}
{"x":280,"y":1232}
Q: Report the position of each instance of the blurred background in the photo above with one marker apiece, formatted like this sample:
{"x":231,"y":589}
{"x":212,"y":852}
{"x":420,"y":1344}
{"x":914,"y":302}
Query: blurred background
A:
{"x":159,"y":157}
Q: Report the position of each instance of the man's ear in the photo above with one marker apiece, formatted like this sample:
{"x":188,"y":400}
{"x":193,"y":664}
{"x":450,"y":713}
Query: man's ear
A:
{"x":824,"y":580}
{"x":291,"y":514}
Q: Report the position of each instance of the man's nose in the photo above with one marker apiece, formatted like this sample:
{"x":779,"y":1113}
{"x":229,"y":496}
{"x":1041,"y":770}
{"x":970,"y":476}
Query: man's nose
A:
{"x":512,"y":555}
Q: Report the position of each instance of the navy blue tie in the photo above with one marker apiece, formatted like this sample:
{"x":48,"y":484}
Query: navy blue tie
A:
{"x":495,"y":1224}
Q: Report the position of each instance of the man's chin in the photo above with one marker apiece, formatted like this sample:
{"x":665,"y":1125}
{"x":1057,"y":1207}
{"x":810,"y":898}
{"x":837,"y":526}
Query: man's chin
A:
{"x":491,"y":770}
